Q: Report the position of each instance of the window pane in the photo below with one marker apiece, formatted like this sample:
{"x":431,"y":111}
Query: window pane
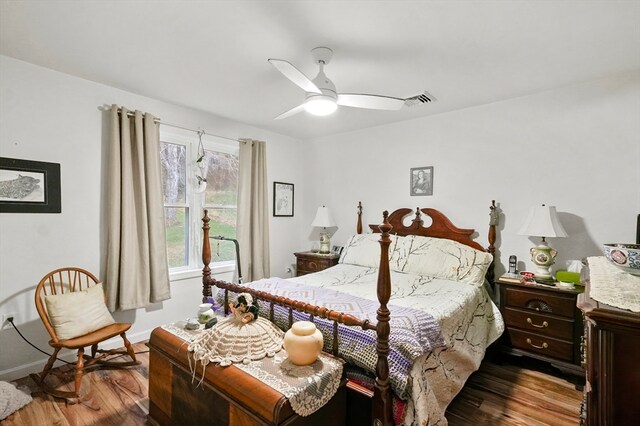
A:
{"x":176,"y":220}
{"x":174,"y":175}
{"x":223,"y":222}
{"x":222,"y":179}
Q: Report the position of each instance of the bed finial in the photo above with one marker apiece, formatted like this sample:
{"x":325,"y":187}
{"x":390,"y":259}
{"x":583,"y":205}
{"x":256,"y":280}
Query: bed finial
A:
{"x":417,"y":221}
{"x":359,"y":226}
{"x":494,"y":217}
{"x":493,"y":213}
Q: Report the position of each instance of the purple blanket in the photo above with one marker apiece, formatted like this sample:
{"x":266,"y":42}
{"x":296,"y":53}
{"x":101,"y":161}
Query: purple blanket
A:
{"x":413,"y":332}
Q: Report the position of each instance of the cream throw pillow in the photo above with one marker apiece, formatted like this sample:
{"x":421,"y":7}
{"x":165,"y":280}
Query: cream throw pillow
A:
{"x":364,"y":250}
{"x":442,"y":258}
{"x":78,"y":313}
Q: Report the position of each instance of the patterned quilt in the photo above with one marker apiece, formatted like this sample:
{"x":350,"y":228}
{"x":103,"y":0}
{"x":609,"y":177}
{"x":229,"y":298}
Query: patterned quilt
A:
{"x":468,"y":319}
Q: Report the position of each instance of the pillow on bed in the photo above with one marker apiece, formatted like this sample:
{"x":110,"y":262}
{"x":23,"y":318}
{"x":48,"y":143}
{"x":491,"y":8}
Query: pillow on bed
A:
{"x":441,"y":258}
{"x":77,"y":313}
{"x":364,"y":250}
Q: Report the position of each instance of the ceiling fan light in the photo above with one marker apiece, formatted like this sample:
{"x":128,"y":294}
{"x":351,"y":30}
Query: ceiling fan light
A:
{"x":320,"y":105}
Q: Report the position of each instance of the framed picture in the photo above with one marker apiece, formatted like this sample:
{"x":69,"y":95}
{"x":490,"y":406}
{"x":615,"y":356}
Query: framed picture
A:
{"x":336,"y":250}
{"x":421,"y":181}
{"x":29,"y":186}
{"x":282,"y":199}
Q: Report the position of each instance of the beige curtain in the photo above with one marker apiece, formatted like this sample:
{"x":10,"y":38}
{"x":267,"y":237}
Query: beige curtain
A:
{"x":137,"y":273}
{"x":253,"y":210}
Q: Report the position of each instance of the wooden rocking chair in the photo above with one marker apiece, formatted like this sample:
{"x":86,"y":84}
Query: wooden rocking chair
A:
{"x":63,"y":281}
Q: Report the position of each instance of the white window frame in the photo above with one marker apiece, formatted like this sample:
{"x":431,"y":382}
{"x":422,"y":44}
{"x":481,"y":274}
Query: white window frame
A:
{"x":194,"y":202}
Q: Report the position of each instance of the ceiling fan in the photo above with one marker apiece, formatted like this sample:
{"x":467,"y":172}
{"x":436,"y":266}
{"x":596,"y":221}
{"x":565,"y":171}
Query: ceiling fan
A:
{"x":322,"y":97}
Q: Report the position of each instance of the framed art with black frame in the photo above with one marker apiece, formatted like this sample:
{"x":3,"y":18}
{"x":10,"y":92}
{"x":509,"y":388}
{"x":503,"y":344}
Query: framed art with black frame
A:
{"x":421,"y":181}
{"x":283,"y":199}
{"x":29,"y":186}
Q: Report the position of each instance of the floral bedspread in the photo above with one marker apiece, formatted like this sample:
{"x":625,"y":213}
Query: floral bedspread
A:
{"x":468,"y":319}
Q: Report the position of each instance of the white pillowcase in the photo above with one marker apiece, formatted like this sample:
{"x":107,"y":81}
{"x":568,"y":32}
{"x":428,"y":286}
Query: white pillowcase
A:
{"x":441,"y":258}
{"x":78,"y":313}
{"x":364,"y":250}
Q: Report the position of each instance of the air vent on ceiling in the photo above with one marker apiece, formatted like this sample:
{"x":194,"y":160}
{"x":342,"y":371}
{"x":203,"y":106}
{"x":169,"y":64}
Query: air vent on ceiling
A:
{"x":422,"y":98}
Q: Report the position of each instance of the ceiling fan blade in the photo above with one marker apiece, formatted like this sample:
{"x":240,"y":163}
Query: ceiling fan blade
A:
{"x":291,"y":112}
{"x":356,"y":100}
{"x":295,"y":75}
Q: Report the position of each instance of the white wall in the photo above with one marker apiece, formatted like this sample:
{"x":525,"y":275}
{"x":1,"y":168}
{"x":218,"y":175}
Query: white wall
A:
{"x":53,"y":117}
{"x":577,"y":148}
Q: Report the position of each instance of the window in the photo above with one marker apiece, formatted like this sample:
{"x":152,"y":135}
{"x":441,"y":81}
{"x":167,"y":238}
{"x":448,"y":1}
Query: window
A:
{"x":185,"y":197}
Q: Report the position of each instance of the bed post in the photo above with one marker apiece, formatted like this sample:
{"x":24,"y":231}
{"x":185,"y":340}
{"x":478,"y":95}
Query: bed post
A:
{"x":206,"y":257}
{"x":359,"y":227}
{"x":382,"y":402}
{"x":493,"y":222}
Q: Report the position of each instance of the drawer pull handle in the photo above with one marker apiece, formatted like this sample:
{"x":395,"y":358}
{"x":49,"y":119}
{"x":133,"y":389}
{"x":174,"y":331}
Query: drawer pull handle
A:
{"x":544,"y":344}
{"x":544,"y":323}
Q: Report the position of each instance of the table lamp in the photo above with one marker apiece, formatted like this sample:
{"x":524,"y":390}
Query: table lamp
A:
{"x":543,"y":222}
{"x":323,"y":220}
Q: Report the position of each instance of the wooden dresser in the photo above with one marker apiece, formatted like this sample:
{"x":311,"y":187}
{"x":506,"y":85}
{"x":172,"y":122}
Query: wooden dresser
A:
{"x":308,"y":262}
{"x":612,"y":352}
{"x":542,"y":322}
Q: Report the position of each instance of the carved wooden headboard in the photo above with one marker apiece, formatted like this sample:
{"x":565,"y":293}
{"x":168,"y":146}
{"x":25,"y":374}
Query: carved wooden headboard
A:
{"x":441,"y":227}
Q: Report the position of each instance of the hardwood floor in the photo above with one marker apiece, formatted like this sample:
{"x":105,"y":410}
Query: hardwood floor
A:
{"x":522,"y":392}
{"x":509,"y":394}
{"x":108,"y":397}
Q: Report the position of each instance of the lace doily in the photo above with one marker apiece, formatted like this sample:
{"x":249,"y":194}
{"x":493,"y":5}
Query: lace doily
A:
{"x":613,"y":286}
{"x":308,"y":388}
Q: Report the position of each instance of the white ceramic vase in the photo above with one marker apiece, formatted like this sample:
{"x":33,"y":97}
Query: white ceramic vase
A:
{"x":205,"y":313}
{"x":303,"y":343}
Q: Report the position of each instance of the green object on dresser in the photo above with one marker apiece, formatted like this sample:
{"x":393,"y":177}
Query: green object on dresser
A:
{"x":568,"y":277}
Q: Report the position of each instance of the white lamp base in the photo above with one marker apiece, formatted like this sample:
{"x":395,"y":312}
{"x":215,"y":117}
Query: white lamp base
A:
{"x":325,"y":243}
{"x":543,"y":257}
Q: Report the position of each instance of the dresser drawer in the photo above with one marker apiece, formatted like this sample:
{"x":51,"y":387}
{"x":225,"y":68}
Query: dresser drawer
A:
{"x":542,"y":345}
{"x":546,"y":325}
{"x":547,"y":302}
{"x":310,"y":265}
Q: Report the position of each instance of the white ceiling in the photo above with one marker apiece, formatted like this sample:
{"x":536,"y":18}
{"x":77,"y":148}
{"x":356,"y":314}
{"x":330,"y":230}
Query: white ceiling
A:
{"x":212,"y":55}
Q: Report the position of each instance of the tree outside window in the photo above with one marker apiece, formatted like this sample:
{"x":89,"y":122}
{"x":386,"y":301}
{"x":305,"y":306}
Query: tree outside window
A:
{"x":184,"y":202}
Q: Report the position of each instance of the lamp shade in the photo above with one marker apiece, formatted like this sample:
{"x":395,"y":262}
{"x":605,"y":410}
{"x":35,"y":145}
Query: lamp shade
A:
{"x":543,"y":221}
{"x":323,"y":218}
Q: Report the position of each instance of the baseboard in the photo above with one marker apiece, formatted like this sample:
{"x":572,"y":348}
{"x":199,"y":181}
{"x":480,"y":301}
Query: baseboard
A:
{"x":24,"y":370}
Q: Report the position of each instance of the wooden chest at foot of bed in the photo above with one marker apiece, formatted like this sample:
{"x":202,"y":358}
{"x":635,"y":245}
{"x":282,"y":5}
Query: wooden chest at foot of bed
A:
{"x":227,"y":395}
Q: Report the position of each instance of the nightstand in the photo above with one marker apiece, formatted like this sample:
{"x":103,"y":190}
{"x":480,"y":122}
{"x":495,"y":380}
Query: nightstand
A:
{"x":308,"y":262}
{"x":542,"y":322}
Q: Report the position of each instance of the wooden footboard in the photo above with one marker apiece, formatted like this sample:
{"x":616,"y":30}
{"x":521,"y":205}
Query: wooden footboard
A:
{"x":441,"y":227}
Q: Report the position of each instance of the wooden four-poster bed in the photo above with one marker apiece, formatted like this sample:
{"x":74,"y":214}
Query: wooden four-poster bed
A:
{"x":410,"y":246}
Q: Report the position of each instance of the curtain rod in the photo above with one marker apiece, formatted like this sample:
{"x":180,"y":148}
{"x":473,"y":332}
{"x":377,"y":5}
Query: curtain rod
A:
{"x":158,"y":120}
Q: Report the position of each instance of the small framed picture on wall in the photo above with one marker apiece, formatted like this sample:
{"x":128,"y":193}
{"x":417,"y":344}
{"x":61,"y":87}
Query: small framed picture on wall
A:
{"x":283,"y":199}
{"x":421,"y":181}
